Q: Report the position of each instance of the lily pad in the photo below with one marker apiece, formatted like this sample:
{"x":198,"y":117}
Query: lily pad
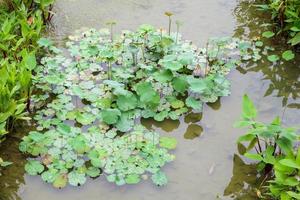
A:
{"x":168,"y":142}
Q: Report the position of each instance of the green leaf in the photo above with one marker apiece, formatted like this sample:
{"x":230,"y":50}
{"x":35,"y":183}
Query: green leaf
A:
{"x":273,"y":58}
{"x":148,"y":96}
{"x":259,"y":43}
{"x":44,"y":42}
{"x":85,"y":118}
{"x":268,"y":34}
{"x":289,"y":163}
{"x":295,"y":40}
{"x":241,"y":124}
{"x":168,"y":142}
{"x":172,"y":65}
{"x":288,"y":55}
{"x":159,"y":178}
{"x":30,"y":61}
{"x":50,"y":175}
{"x":127,"y":102}
{"x":161,"y":116}
{"x":110,"y":116}
{"x":60,"y":181}
{"x":93,"y":172}
{"x":79,"y":144}
{"x":125,"y":124}
{"x":194,"y":103}
{"x":249,"y":110}
{"x":294,"y":194}
{"x":132,"y":179}
{"x":180,"y":84}
{"x":34,"y":167}
{"x":76,"y":178}
{"x":253,"y":156}
{"x":186,"y":58}
{"x":63,"y":128}
{"x":163,"y":76}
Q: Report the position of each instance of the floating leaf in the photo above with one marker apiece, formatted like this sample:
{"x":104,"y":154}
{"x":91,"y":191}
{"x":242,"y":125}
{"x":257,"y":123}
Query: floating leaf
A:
{"x":268,"y":34}
{"x":132,"y":179}
{"x":60,"y":181}
{"x":159,"y":179}
{"x":168,"y":142}
{"x":127,"y":102}
{"x":180,"y":84}
{"x":76,"y":178}
{"x":273,"y":58}
{"x":288,"y":55}
{"x":163,"y":76}
{"x":110,"y":116}
{"x":34,"y":167}
{"x":85,"y":118}
{"x":194,"y":103}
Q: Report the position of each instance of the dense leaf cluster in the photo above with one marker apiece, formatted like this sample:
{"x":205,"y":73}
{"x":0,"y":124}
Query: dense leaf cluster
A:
{"x":276,"y":151}
{"x":99,"y":88}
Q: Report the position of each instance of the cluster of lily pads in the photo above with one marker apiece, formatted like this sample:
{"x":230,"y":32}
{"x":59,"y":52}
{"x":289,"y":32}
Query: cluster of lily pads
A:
{"x":98,"y":88}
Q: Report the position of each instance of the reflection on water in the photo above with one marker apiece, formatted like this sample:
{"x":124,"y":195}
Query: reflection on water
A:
{"x":204,"y":166}
{"x":193,"y":131}
{"x":244,"y":180}
{"x":193,"y":117}
{"x":216,"y":105}
{"x":167,"y":125}
{"x":12,"y":176}
{"x":283,"y":78}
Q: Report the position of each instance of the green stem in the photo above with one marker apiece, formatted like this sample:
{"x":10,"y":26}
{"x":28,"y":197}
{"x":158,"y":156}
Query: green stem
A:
{"x":109,"y":73}
{"x":177,"y":32}
{"x":170,"y":22}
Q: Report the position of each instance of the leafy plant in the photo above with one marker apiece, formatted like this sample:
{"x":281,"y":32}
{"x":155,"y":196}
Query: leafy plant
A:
{"x":276,"y":151}
{"x":287,"y":14}
{"x":101,"y":88}
{"x":20,"y":27}
{"x":4,"y":164}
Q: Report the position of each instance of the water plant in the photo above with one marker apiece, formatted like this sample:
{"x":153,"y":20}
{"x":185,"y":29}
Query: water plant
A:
{"x":100,"y":89}
{"x":276,"y":151}
{"x":286,"y":14}
{"x":4,"y":164}
{"x":21,"y":25}
{"x":169,"y":15}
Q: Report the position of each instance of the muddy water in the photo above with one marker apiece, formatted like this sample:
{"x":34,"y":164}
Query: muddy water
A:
{"x":207,"y":164}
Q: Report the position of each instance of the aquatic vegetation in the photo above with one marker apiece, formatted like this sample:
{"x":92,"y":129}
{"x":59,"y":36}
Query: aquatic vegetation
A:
{"x":287,"y":14}
{"x":21,"y":24}
{"x":99,"y":87}
{"x":4,"y":164}
{"x":275,"y":150}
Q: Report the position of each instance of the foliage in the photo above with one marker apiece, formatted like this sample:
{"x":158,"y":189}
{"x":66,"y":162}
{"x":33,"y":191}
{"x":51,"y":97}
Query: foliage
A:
{"x":287,"y":14}
{"x":4,"y":164}
{"x":69,"y":155}
{"x":275,"y":150}
{"x":21,"y":23}
{"x":103,"y":85}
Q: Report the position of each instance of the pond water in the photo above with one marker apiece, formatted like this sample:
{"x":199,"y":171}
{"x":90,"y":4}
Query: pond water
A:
{"x":207,"y":164}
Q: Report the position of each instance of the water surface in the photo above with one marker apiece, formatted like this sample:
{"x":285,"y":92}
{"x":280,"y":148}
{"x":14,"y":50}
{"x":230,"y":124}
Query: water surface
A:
{"x":207,"y":165}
